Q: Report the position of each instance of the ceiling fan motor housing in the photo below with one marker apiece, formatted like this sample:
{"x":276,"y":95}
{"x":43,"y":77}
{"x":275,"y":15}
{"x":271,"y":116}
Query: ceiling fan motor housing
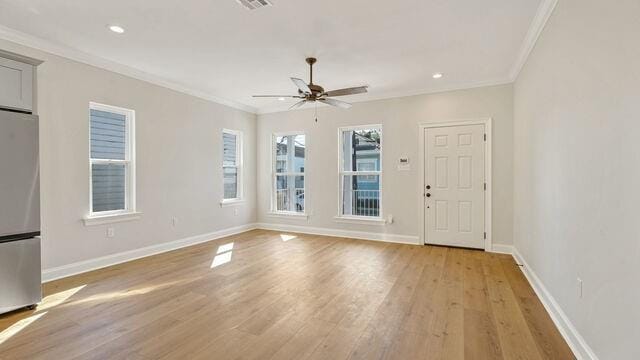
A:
{"x":316,"y":91}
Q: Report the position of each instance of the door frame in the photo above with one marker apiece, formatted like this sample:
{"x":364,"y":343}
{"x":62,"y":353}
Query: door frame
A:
{"x":487,"y":122}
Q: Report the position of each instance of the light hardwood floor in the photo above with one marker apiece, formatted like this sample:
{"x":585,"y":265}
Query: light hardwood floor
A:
{"x":268,"y":295}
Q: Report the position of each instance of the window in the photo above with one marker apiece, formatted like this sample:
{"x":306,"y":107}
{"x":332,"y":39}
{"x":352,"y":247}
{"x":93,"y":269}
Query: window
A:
{"x":232,"y":165}
{"x":289,"y":151}
{"x":112,"y":157}
{"x":361,"y":171}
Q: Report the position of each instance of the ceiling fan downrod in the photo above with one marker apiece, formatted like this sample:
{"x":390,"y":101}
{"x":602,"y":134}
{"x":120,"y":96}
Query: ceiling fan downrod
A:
{"x":311,"y":61}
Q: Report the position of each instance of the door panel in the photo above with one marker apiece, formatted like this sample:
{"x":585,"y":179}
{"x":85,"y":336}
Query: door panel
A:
{"x":465,"y":216}
{"x":454,"y":172}
{"x":442,"y":172}
{"x":442,"y":215}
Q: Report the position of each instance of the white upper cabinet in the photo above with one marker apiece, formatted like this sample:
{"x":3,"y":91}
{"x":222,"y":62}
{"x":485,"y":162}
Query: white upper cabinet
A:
{"x":16,"y":85}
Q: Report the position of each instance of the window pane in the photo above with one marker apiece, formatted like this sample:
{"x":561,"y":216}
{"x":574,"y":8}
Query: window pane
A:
{"x":361,"y":150}
{"x":108,"y":187}
{"x":282,"y":151}
{"x":299,"y":152}
{"x":230,"y":182}
{"x":361,"y":195}
{"x":299,"y":194}
{"x":108,"y":135}
{"x":282,"y":193}
{"x":229,"y":145}
{"x":290,"y":193}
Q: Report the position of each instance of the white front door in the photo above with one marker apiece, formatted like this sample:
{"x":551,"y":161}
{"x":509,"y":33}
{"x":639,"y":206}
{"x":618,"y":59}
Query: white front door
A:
{"x":454,"y":185}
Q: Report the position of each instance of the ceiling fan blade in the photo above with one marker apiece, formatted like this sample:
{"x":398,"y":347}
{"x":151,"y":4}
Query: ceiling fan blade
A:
{"x":297,"y":105}
{"x":301,"y":85}
{"x":276,"y":96}
{"x":347,"y":91}
{"x":334,"y":102}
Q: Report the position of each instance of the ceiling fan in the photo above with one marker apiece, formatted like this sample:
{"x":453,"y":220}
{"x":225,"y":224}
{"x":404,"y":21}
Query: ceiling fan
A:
{"x":311,"y":92}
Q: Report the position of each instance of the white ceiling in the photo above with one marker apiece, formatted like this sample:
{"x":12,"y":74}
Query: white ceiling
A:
{"x":218,"y":48}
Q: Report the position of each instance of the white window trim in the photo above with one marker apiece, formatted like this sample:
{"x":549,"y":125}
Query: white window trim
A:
{"x":231,"y":202}
{"x":359,"y":219}
{"x":239,"y":199}
{"x":273,"y":212}
{"x":289,"y":214}
{"x":130,"y":181}
{"x":111,"y":218}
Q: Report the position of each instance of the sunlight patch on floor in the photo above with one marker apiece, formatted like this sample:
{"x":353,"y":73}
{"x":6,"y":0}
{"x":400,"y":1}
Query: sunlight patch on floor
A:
{"x":58,"y":298}
{"x":287,"y":237}
{"x":224,"y":248}
{"x":224,"y":255}
{"x":221,"y":259}
{"x":7,"y":333}
{"x":110,"y":296}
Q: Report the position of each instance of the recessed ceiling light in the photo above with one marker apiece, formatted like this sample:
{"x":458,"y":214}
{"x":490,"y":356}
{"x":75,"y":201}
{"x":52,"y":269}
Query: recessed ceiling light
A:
{"x":116,"y":29}
{"x":437,"y":75}
{"x":281,"y":98}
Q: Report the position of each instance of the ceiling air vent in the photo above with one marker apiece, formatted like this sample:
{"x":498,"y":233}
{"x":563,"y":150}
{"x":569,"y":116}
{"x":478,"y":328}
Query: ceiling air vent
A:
{"x":254,"y":4}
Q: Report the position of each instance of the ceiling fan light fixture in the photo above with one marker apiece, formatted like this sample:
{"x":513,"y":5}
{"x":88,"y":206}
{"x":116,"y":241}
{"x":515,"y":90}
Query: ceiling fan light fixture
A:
{"x":116,"y":29}
{"x":437,"y":75}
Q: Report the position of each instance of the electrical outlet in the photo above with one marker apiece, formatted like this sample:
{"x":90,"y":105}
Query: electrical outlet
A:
{"x":174,"y":221}
{"x":111,"y":232}
{"x":579,"y":288}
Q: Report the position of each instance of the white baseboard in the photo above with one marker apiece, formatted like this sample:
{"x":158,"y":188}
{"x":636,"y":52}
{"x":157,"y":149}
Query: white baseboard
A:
{"x":502,"y":249}
{"x":576,"y":342}
{"x":401,"y":239}
{"x":113,"y":259}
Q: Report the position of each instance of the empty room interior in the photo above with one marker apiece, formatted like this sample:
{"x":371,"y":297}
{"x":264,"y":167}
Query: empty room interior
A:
{"x":296,"y":179}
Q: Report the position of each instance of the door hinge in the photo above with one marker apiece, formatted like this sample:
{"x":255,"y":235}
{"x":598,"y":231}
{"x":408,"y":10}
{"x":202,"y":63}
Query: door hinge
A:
{"x":485,"y":137}
{"x":485,"y":186}
{"x":485,"y":235}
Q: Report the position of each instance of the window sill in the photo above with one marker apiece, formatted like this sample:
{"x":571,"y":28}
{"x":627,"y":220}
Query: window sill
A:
{"x":362,"y":220}
{"x":288,"y":215}
{"x":111,"y":218}
{"x":231,"y":202}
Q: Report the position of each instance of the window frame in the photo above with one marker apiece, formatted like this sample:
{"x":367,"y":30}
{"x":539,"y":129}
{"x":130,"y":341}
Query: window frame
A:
{"x":342,"y":173}
{"x":129,"y":162}
{"x":239,"y":167}
{"x":274,"y":174}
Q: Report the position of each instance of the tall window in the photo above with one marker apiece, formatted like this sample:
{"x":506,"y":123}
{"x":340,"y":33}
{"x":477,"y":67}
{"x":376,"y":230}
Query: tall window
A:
{"x":232,"y":164}
{"x":361,"y":171}
{"x":288,"y":173}
{"x":112,"y":160}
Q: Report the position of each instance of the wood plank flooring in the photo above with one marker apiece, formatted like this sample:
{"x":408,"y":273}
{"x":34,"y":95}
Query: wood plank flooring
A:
{"x":268,"y":295}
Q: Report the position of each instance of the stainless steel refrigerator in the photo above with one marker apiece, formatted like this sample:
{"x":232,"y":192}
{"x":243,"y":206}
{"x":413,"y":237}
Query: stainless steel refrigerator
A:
{"x":20,"y":272}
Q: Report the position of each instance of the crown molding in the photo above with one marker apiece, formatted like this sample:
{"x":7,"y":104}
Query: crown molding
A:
{"x":37,"y":43}
{"x":399,"y":94}
{"x":535,"y":29}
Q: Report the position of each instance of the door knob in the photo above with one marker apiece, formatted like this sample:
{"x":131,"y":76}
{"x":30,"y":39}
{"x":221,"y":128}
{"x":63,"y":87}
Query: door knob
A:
{"x":428,"y":195}
{"x":428,"y":187}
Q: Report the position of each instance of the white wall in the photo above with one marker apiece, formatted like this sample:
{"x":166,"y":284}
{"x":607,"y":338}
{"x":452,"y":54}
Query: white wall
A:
{"x":577,"y":169}
{"x":402,"y":195}
{"x":178,"y":148}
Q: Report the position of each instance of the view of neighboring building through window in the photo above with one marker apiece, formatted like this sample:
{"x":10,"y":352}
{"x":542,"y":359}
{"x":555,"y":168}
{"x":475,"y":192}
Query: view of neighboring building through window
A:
{"x":232,"y":164}
{"x":360,"y":171}
{"x":111,"y":159}
{"x":288,"y":182}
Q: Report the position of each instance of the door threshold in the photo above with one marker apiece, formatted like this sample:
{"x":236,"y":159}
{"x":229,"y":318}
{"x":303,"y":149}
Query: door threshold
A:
{"x":456,"y":247}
